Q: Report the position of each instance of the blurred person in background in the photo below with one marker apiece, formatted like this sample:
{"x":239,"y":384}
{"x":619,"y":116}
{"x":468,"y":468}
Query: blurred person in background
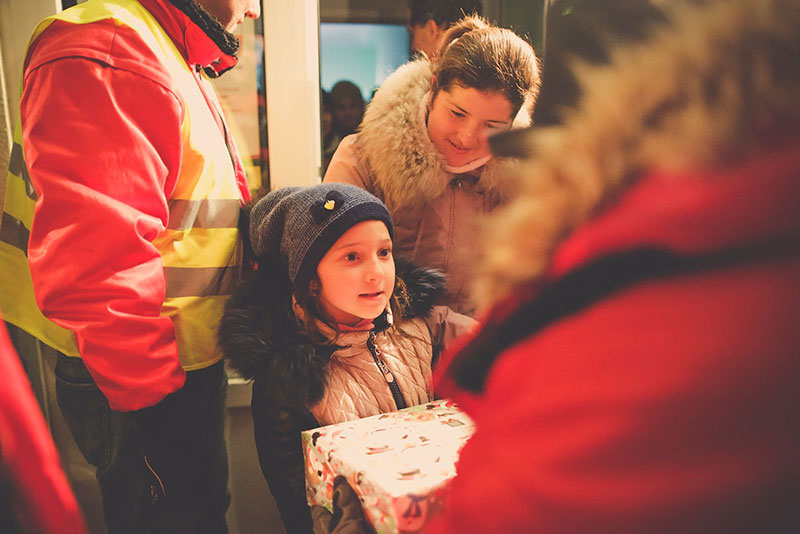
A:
{"x":347,"y":105}
{"x":429,"y":20}
{"x":330,"y":139}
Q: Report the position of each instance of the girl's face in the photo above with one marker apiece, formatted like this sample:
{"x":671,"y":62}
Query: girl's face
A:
{"x":357,"y":274}
{"x":461,"y":119}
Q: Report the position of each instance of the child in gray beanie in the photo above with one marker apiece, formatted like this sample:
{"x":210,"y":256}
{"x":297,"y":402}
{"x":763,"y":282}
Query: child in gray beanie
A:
{"x":327,"y":329}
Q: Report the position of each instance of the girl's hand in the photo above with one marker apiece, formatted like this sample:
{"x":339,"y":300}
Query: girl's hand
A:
{"x":348,"y":515}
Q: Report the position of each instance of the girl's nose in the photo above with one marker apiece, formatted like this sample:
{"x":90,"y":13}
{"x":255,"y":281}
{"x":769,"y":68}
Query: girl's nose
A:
{"x":468,"y":135}
{"x":374,"y":271}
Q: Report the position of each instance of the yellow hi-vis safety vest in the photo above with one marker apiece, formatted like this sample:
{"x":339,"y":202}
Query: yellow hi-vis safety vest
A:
{"x":200,"y":248}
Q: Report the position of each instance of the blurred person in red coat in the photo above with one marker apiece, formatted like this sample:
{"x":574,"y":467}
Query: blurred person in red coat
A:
{"x":35,"y":495}
{"x":639,"y":370}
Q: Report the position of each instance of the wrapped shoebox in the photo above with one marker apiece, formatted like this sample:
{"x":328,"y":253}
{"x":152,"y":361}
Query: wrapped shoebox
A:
{"x":398,"y":463}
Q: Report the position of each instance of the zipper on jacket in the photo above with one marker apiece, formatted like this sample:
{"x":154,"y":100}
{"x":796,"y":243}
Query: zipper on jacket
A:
{"x":451,"y":223}
{"x":386,"y":372}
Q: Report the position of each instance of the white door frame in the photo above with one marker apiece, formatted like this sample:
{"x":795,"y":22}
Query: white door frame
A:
{"x":291,"y":60}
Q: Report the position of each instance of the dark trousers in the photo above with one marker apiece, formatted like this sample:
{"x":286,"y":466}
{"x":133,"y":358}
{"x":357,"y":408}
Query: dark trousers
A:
{"x":109,"y":441}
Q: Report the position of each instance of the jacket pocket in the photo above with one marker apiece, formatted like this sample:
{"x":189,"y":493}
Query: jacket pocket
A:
{"x":85,"y":411}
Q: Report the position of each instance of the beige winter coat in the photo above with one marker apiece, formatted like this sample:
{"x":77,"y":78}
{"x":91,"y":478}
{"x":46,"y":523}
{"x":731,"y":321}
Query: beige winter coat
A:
{"x":434,"y":211}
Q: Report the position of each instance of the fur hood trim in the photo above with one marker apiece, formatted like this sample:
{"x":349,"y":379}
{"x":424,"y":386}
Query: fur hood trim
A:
{"x":261,"y":338}
{"x":717,"y":80}
{"x":394,"y":140}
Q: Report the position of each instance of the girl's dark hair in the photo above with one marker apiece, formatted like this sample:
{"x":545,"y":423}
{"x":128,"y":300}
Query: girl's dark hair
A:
{"x":480,"y":56}
{"x":308,"y":298}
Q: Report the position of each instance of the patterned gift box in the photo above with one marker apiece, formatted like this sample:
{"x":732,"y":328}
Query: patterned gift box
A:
{"x":398,"y":463}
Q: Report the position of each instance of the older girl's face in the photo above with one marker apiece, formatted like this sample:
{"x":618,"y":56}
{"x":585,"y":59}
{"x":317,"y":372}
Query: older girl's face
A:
{"x":461,"y":119}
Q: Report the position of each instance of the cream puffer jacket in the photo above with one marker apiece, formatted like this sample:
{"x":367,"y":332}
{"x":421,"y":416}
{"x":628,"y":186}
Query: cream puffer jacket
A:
{"x":434,"y":210}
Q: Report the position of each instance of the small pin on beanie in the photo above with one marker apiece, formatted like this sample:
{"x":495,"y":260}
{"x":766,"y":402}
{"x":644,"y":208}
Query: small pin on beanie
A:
{"x":300,"y":224}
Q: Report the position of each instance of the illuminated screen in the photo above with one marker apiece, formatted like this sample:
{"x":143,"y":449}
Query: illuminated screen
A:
{"x":365,"y":54}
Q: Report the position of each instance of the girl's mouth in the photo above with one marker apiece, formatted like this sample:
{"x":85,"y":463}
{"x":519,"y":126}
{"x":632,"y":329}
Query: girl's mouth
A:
{"x":458,"y":148}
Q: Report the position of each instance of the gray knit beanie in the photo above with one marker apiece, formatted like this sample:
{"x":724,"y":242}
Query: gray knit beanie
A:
{"x":300,"y":224}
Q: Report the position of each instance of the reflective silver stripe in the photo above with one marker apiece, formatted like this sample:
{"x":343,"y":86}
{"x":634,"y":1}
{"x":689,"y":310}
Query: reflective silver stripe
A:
{"x":203,"y":213}
{"x":14,"y":233}
{"x":17,"y":167}
{"x":200,"y":281}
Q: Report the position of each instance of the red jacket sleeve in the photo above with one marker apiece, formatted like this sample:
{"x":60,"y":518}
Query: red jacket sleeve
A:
{"x":103,"y":149}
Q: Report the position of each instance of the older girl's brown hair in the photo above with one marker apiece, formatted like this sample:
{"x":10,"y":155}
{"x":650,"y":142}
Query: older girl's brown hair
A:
{"x":478,"y":55}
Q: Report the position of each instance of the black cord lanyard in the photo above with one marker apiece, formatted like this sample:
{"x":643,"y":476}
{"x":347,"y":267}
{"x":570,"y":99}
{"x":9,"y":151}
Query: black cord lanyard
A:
{"x":385,"y":371}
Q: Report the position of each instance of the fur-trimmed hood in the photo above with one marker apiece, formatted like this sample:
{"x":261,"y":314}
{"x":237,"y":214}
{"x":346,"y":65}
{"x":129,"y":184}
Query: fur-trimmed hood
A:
{"x":718,"y":82}
{"x":394,"y":140}
{"x":261,"y":338}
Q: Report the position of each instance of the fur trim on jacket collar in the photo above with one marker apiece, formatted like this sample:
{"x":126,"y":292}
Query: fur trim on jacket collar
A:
{"x":394,"y":140}
{"x":717,"y":81}
{"x":261,"y":338}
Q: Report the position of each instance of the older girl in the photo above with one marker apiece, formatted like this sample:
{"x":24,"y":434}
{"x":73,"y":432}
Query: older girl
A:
{"x":422,"y":147}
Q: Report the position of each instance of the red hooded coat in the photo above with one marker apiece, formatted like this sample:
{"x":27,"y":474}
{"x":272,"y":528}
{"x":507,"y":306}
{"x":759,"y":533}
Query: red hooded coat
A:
{"x":648,"y":378}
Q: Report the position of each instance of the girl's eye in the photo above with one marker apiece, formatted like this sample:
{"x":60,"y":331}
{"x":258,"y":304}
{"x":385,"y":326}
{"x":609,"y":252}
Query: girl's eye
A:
{"x":352,"y":256}
{"x":457,"y":114}
{"x":385,"y":252}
